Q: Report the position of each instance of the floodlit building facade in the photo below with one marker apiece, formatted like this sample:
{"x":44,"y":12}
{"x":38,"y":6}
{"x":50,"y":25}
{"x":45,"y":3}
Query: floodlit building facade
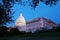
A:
{"x":33,"y":25}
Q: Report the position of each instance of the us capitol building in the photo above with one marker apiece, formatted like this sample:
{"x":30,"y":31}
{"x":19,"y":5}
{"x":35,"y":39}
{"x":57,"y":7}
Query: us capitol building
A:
{"x":33,"y":25}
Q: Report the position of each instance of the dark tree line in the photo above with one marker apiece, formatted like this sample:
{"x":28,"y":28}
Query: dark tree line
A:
{"x":47,"y":2}
{"x":6,"y":13}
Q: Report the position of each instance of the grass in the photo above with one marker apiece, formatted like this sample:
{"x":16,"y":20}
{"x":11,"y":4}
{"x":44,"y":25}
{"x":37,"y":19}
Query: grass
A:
{"x":34,"y":36}
{"x":14,"y":34}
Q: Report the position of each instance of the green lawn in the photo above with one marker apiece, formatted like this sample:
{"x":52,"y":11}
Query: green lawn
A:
{"x":14,"y":34}
{"x":34,"y":36}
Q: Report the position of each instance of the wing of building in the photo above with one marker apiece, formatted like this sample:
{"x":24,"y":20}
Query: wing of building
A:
{"x":39,"y":24}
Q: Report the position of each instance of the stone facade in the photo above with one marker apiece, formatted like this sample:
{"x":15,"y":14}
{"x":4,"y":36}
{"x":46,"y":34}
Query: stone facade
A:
{"x":33,"y":25}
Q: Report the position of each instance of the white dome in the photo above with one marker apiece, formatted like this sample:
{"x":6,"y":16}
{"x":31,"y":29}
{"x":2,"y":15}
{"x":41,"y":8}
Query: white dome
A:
{"x":20,"y":21}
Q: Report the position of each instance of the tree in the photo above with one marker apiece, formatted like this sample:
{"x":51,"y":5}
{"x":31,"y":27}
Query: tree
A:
{"x":5,"y":13}
{"x":34,"y":3}
{"x":47,"y":2}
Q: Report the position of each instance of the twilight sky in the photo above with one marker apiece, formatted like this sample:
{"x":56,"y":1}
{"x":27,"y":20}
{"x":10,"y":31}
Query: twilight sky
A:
{"x":41,"y":10}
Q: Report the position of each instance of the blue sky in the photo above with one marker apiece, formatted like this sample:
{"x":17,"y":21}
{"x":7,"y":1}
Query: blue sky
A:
{"x":41,"y":10}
